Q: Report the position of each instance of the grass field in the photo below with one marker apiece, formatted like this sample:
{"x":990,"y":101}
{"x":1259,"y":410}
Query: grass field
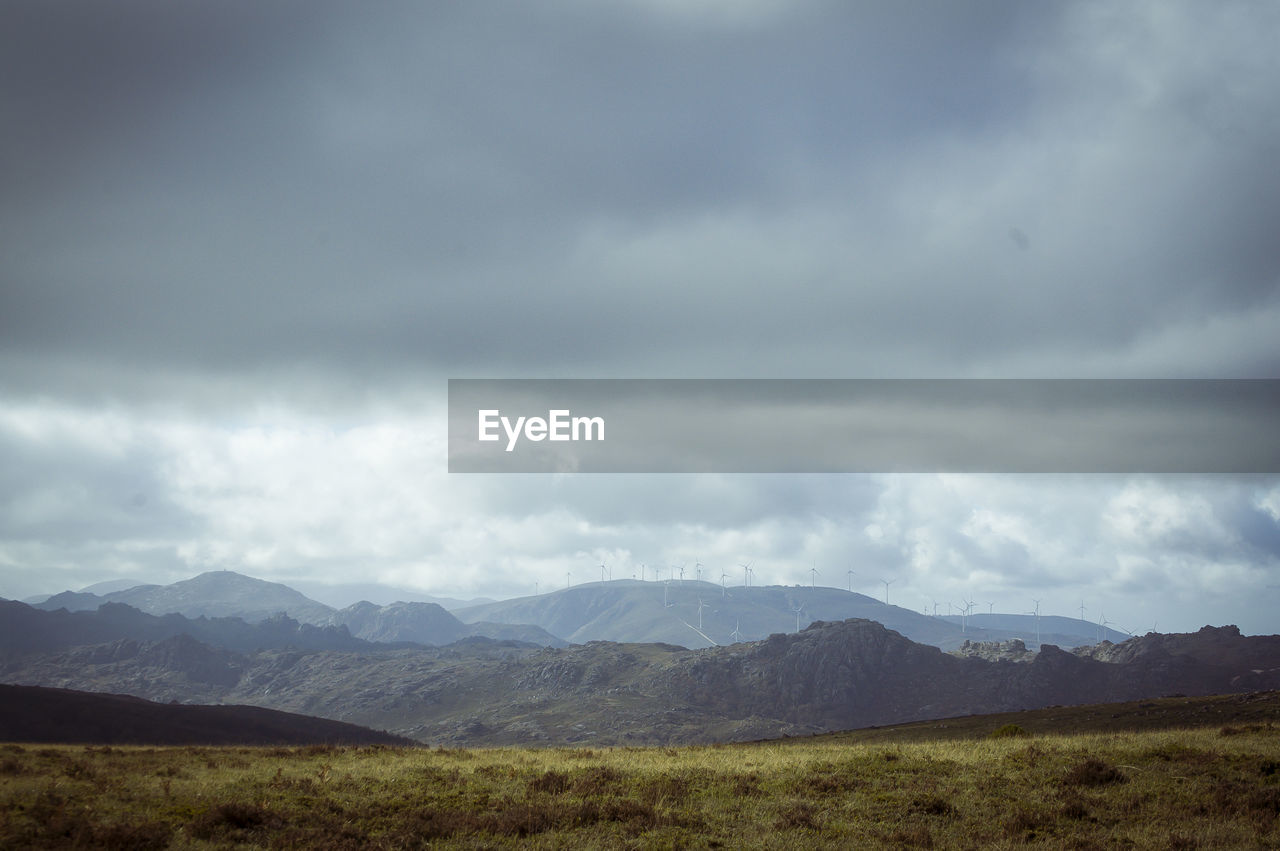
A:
{"x":1214,"y":786}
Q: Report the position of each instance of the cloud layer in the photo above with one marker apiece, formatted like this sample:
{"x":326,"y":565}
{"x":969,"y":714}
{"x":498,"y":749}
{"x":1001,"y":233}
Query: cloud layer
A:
{"x":243,"y":244}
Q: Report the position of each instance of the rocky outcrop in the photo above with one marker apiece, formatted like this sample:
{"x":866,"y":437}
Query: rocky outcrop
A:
{"x":1014,"y":650}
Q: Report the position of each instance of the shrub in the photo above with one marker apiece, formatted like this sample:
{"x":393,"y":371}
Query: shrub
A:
{"x":235,"y":821}
{"x":796,"y":816}
{"x":933,"y":806}
{"x":915,"y":837}
{"x":1093,"y":772}
{"x":1008,"y":731}
{"x":551,"y":782}
{"x":129,"y":836}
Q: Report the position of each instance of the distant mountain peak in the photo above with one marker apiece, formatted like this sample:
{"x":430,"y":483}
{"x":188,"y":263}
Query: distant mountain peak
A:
{"x":224,"y":593}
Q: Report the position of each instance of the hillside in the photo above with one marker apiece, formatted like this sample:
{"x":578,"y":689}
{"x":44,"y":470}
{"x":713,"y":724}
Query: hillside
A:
{"x":1229,"y":711}
{"x":32,"y":714}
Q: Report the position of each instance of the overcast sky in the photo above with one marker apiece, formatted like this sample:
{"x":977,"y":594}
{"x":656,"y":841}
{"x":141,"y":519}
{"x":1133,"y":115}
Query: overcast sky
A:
{"x":244,"y":244}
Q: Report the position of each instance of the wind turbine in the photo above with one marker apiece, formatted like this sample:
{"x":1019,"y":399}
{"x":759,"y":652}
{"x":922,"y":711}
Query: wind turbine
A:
{"x":1037,"y":614}
{"x":701,"y":606}
{"x":736,"y":635}
{"x":723,"y":591}
{"x":603,"y":569}
{"x":991,"y":607}
{"x":851,"y":580}
{"x":567,"y":574}
{"x":535,"y":587}
{"x":697,"y":569}
{"x":746,"y":572}
{"x":1082,"y":611}
{"x":798,"y":609}
{"x":935,"y":607}
{"x":666,"y":586}
{"x":887,"y":583}
{"x":813,"y":576}
{"x":642,"y":571}
{"x":681,"y":569}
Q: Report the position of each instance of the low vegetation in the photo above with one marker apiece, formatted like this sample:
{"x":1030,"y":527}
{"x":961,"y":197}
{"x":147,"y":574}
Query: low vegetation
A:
{"x":1207,"y":787}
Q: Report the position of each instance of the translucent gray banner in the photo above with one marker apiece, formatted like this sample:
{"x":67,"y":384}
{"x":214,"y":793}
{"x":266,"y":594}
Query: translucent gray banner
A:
{"x":864,"y":426}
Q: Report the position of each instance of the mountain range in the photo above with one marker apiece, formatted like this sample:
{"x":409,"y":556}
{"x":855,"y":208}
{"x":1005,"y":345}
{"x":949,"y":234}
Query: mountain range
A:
{"x":499,"y":673}
{"x":697,"y":614}
{"x":692,"y":614}
{"x":226,"y":594}
{"x":478,"y":691}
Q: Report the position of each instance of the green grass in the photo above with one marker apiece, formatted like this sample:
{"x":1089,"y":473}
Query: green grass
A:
{"x":1206,"y":787}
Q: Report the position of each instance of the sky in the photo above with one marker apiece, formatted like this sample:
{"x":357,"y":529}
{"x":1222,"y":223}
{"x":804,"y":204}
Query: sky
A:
{"x":244,"y":245}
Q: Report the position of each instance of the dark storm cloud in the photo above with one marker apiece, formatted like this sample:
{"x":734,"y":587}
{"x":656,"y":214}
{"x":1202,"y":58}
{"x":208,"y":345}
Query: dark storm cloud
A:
{"x":222,"y":186}
{"x":475,"y":189}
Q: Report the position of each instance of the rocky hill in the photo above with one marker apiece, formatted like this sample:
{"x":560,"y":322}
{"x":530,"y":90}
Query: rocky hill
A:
{"x":830,"y":676}
{"x":1252,"y":662}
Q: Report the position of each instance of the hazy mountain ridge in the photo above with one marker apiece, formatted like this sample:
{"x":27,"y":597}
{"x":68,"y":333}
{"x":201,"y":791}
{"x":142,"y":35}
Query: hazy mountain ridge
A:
{"x":340,"y":596}
{"x":691,"y":613}
{"x":226,"y":594}
{"x":25,"y":629}
{"x":630,"y":611}
{"x":218,"y":593}
{"x":831,"y":676}
{"x":429,"y":623}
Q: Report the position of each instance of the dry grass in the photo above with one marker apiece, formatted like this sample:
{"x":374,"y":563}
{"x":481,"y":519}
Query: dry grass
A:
{"x":1210,"y":787}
